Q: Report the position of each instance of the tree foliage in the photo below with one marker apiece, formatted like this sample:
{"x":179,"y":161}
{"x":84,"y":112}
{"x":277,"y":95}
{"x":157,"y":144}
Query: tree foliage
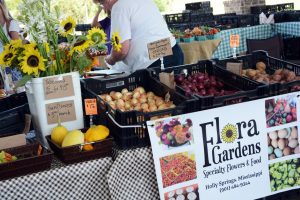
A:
{"x":77,"y":9}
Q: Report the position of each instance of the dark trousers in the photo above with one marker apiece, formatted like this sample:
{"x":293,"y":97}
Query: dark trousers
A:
{"x":173,"y":60}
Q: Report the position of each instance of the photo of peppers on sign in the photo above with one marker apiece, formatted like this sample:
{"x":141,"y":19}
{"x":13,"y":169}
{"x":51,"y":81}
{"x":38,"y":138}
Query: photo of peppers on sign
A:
{"x":284,"y":175}
{"x":281,"y":111}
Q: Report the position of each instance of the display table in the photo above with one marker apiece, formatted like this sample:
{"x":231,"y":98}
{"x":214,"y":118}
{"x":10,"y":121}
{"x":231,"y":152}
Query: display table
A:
{"x":199,"y":50}
{"x":132,"y":176}
{"x":84,"y":180}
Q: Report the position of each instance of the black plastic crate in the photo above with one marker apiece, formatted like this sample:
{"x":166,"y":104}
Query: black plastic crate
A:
{"x":136,"y":136}
{"x":199,"y":17}
{"x":217,"y":18}
{"x":267,"y":9}
{"x":293,"y":17}
{"x":197,"y":5}
{"x":13,"y":121}
{"x":245,"y":20}
{"x":13,"y":101}
{"x":178,"y":18}
{"x":272,"y":64}
{"x":230,"y":21}
{"x":207,"y":10}
{"x":292,"y":48}
{"x":247,"y":89}
{"x":180,"y":27}
{"x":284,"y":7}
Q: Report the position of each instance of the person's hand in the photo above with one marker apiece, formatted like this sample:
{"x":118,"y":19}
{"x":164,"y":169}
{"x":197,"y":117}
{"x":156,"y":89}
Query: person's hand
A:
{"x":110,"y":60}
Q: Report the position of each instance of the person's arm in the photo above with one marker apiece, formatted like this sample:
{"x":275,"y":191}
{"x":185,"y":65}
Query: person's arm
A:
{"x":118,"y":56}
{"x":14,"y":30}
{"x":95,"y":22}
{"x":14,"y":35}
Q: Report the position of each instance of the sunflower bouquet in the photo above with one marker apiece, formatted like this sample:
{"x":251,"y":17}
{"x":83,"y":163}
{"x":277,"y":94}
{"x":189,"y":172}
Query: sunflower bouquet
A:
{"x":43,"y":55}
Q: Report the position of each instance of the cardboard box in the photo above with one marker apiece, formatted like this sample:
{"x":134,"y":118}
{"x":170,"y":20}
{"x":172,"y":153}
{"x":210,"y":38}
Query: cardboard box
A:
{"x":12,"y":141}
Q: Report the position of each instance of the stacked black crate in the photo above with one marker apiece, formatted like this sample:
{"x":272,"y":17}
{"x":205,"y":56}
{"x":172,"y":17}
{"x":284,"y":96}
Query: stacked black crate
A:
{"x":201,"y":14}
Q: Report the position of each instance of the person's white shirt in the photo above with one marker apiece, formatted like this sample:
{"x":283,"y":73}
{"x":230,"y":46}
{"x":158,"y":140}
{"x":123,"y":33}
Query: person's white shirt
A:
{"x":140,"y":22}
{"x":13,"y":26}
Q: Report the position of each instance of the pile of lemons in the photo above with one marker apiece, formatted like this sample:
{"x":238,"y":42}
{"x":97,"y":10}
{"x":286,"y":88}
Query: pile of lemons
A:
{"x":64,"y":138}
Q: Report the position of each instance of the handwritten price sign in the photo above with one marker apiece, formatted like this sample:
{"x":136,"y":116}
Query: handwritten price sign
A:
{"x":160,"y":48}
{"x":90,"y":107}
{"x":234,"y":41}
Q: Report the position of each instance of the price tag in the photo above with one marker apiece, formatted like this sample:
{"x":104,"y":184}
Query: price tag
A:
{"x":160,"y":48}
{"x":234,"y":41}
{"x":90,"y":106}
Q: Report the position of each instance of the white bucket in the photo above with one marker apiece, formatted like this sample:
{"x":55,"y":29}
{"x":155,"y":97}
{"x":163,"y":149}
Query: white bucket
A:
{"x":37,"y":105}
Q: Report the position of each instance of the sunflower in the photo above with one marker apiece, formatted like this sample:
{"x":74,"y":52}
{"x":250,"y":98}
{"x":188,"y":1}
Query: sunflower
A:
{"x":32,"y":62}
{"x":81,"y":45}
{"x":116,"y":41}
{"x":97,"y":35}
{"x":229,"y":133}
{"x":67,"y":26}
{"x":7,"y":56}
{"x":16,"y":44}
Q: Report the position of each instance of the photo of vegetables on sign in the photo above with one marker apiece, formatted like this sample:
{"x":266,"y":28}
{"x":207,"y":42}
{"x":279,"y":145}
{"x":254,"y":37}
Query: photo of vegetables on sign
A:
{"x":174,"y":133}
{"x":184,"y":193}
{"x":283,"y":142}
{"x":284,"y":175}
{"x":178,"y":168}
{"x":280,"y":111}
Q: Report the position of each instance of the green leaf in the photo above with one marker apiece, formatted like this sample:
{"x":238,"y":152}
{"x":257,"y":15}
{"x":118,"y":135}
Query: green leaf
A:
{"x":24,"y":80}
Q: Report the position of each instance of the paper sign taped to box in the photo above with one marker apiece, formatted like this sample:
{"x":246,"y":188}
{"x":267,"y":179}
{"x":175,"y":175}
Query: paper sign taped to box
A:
{"x":160,"y":48}
{"x":58,"y":87}
{"x":65,"y":109}
{"x":12,"y":141}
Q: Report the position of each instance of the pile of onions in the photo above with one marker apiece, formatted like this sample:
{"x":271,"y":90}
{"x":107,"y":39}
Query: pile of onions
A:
{"x":202,"y":84}
{"x":138,"y":100}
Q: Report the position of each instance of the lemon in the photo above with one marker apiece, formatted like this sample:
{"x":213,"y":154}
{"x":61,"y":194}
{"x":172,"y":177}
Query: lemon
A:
{"x":73,"y":138}
{"x":95,"y":133}
{"x":58,"y":134}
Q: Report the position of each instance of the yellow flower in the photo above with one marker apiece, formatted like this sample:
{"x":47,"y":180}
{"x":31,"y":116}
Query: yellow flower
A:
{"x":97,"y":35}
{"x":67,"y":26}
{"x":46,"y":46}
{"x":229,"y":133}
{"x":81,"y":46}
{"x":16,"y":44}
{"x":116,"y":42}
{"x":32,"y":62}
{"x":7,"y":56}
{"x":32,"y":45}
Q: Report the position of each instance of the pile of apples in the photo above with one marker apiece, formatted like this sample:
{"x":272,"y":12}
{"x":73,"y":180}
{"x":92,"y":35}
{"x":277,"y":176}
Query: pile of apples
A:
{"x":138,"y":100}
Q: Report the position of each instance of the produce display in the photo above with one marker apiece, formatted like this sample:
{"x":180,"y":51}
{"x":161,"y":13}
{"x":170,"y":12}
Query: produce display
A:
{"x":6,"y":157}
{"x":202,"y":84}
{"x":173,"y":133}
{"x":64,"y":138}
{"x":280,"y":112}
{"x":279,"y":76}
{"x":177,"y":168}
{"x":138,"y":100}
{"x":283,"y":142}
{"x":284,"y":174}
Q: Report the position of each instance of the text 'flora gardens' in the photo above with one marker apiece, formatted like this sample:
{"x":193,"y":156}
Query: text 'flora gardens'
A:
{"x":229,"y":133}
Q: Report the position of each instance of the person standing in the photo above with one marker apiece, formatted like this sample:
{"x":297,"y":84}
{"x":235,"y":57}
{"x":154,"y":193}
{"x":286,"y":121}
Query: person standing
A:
{"x":102,"y":24}
{"x":139,"y":23}
{"x":11,"y":29}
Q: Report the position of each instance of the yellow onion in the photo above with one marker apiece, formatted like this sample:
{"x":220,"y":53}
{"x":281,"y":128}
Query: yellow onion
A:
{"x":117,"y":95}
{"x":108,"y":98}
{"x":136,"y":95}
{"x":120,"y":103}
{"x":112,"y":104}
{"x":127,"y":106}
{"x":124,"y":91}
{"x":112,"y":93}
{"x":151,"y":102}
{"x":142,"y":99}
{"x":159,"y":102}
{"x":134,"y":102}
{"x":153,"y":108}
{"x":144,"y":106}
{"x":150,"y":94}
{"x":137,"y":107}
{"x":162,"y":107}
{"x":140,"y":90}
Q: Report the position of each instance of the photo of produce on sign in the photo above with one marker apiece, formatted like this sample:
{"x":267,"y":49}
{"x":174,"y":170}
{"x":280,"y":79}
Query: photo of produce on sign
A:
{"x":227,"y":152}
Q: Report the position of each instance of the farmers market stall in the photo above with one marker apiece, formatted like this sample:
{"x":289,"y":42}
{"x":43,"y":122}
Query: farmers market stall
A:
{"x":130,"y":173}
